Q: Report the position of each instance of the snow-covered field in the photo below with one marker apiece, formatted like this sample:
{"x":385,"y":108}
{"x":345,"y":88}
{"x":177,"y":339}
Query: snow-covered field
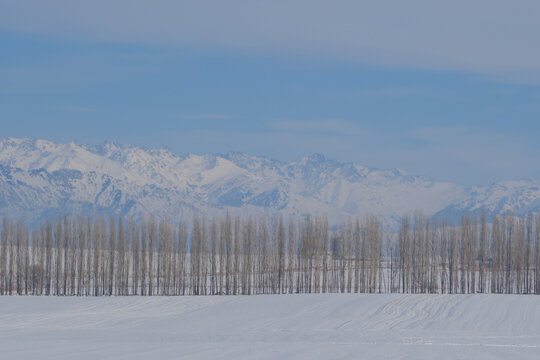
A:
{"x":333,"y":326}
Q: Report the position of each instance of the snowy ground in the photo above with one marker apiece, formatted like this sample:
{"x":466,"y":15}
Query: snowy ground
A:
{"x":282,"y":327}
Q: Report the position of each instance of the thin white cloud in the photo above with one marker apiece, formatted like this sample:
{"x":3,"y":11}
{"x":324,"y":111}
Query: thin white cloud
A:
{"x":204,"y":116}
{"x":438,"y":133}
{"x":387,"y":92}
{"x":326,"y":127}
{"x":488,"y":36}
{"x":78,"y":109}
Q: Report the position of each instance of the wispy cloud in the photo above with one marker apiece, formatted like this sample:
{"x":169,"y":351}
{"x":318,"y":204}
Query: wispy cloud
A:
{"x":416,"y":33}
{"x":385,"y":92}
{"x":204,"y":116}
{"x":438,"y":133}
{"x":78,"y":109}
{"x":334,"y":127}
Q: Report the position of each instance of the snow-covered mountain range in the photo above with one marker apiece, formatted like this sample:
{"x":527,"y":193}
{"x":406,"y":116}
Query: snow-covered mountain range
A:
{"x":40,"y":178}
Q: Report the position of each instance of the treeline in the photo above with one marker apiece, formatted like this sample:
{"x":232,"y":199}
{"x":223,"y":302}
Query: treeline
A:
{"x":83,"y":256}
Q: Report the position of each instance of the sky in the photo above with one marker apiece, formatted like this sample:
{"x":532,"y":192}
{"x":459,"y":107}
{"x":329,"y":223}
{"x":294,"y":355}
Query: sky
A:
{"x":450,"y":90}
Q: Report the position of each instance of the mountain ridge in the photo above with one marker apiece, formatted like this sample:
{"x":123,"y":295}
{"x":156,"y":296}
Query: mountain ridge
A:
{"x":40,"y":178}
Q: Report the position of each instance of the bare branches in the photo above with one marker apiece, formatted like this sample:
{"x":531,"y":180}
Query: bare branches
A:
{"x":92,"y":257}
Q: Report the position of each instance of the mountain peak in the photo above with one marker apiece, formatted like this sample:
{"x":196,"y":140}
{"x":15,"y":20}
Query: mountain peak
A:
{"x":43,"y":178}
{"x":317,"y":158}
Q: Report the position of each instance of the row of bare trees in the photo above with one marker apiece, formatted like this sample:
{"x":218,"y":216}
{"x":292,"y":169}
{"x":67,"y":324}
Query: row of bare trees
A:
{"x":473,"y":256}
{"x":84,"y":256}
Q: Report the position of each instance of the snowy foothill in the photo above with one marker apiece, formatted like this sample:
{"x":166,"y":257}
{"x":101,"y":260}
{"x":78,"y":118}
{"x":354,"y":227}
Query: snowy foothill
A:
{"x":316,"y":326}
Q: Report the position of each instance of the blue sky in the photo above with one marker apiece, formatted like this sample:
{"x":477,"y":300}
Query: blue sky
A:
{"x":447,"y":91}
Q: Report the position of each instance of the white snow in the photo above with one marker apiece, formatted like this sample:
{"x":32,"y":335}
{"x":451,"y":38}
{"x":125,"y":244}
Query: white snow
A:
{"x":329,"y":326}
{"x":132,"y":181}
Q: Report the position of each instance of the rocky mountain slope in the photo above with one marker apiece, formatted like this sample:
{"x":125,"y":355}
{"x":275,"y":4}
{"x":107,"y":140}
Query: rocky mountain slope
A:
{"x":40,"y":178}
